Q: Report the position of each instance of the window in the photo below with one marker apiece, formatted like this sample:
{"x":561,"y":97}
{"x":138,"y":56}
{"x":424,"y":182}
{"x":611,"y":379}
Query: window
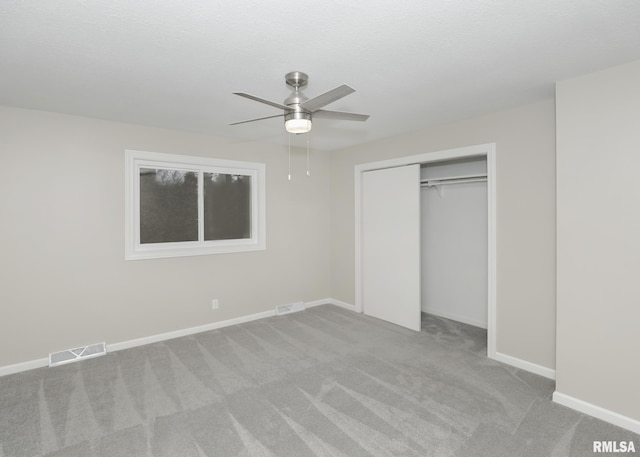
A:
{"x":183,"y":205}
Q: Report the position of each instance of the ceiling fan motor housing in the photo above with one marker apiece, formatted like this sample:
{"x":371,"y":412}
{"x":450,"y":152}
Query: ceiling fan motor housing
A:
{"x":297,"y":115}
{"x":296,"y":80}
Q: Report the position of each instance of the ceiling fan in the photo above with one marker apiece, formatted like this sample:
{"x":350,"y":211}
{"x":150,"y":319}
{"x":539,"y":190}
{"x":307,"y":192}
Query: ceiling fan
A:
{"x":298,"y":110}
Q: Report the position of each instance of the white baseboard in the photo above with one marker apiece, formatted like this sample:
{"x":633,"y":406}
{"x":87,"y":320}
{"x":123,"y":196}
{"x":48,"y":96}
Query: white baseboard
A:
{"x":214,"y":326}
{"x":24,"y":366}
{"x":597,"y":412}
{"x":454,"y":317}
{"x":39,"y":363}
{"x":314,"y":303}
{"x":331,"y":301}
{"x":342,"y":304}
{"x":44,"y":362}
{"x":524,"y":365}
{"x":188,"y":331}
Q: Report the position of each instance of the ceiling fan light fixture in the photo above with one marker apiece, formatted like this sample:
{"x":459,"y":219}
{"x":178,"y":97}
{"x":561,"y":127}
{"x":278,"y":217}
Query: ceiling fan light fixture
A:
{"x":297,"y":122}
{"x":298,"y":125}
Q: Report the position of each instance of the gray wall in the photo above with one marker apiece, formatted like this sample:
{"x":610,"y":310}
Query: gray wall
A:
{"x":63,"y":278}
{"x":525,"y":158}
{"x":599,"y":239}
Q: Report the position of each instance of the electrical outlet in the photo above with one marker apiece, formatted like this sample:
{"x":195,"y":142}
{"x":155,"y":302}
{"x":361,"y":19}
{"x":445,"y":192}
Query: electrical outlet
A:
{"x":215,"y":304}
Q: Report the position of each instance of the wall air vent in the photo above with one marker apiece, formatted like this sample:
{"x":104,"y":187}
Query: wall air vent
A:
{"x":290,"y":308}
{"x":74,"y":355}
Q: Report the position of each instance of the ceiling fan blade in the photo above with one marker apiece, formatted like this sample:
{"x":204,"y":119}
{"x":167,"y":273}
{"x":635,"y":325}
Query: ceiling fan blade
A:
{"x":324,"y":114}
{"x":318,"y":102}
{"x":258,"y":119}
{"x":262,"y":100}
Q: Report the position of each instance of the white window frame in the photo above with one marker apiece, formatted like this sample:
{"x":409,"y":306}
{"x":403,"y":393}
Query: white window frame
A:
{"x":135,"y":160}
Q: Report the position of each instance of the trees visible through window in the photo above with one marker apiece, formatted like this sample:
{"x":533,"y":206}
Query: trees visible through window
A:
{"x":168,"y":206}
{"x":227,"y":206}
{"x":183,"y":205}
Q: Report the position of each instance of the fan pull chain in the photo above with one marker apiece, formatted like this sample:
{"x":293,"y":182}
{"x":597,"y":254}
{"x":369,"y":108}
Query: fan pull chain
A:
{"x":308,"y":171}
{"x":289,"y":157}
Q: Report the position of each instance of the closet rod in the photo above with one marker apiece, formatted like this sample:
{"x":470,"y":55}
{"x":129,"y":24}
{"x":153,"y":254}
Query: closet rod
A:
{"x":459,"y":180}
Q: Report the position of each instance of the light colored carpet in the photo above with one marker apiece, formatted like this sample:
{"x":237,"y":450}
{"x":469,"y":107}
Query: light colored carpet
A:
{"x":323,"y":382}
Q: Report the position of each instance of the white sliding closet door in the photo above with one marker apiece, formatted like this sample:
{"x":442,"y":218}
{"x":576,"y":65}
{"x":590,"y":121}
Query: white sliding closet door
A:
{"x":391,"y":245}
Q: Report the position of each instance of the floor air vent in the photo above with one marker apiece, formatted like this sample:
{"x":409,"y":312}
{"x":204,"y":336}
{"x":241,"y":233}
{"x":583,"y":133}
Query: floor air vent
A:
{"x":290,"y":308}
{"x":74,"y":355}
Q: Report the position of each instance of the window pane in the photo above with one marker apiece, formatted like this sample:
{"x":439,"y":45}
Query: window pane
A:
{"x":168,"y":206}
{"x":227,"y":206}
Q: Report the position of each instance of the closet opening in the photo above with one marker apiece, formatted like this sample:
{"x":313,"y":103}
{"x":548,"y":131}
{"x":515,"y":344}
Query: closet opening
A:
{"x":454,"y":249}
{"x":427,"y":249}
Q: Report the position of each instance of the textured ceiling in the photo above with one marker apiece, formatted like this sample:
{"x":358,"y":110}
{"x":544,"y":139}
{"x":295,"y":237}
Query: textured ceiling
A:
{"x":413,"y":63}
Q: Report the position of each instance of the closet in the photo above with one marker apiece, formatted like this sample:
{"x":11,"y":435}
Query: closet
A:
{"x":453,"y":226}
{"x":426,"y":239}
